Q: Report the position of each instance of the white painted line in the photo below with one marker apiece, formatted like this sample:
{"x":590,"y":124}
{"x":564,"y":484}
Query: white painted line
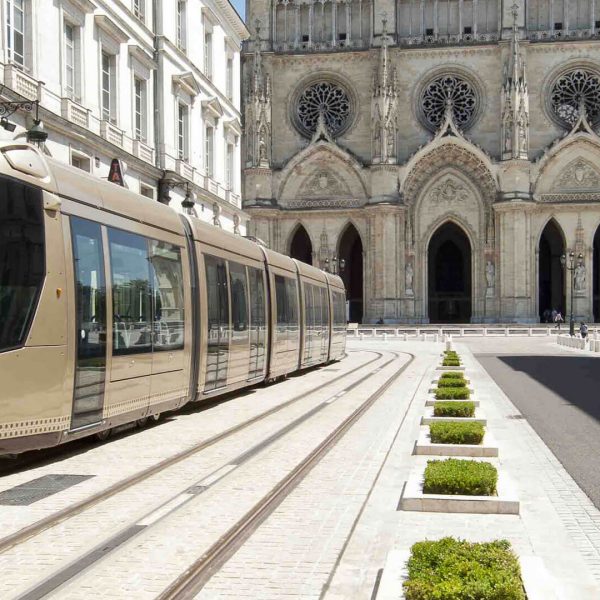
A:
{"x":217,"y":475}
{"x":159,"y":513}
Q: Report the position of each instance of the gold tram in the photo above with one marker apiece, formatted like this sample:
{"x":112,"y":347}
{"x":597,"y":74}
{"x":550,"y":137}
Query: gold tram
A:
{"x":115,"y":309}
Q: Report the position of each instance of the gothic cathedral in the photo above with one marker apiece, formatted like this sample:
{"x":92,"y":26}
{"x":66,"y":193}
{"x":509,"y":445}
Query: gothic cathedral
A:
{"x":442,"y":156}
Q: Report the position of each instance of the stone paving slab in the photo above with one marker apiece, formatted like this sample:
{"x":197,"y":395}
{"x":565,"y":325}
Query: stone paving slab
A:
{"x":558,"y":525}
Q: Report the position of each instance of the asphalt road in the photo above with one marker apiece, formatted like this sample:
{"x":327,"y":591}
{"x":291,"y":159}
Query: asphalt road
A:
{"x":560,"y":397}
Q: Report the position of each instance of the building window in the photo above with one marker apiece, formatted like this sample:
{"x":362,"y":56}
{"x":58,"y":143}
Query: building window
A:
{"x":181,"y":28}
{"x":147,"y":191}
{"x":182,"y":132}
{"x":208,"y":61}
{"x":570,"y":90}
{"x":139,"y":9}
{"x":229,"y":82}
{"x":209,"y":140}
{"x":323,"y":98}
{"x":15,"y":31}
{"x":109,"y":87}
{"x":72,"y":69}
{"x":140,"y":108}
{"x":82,"y":162}
{"x":229,"y":179}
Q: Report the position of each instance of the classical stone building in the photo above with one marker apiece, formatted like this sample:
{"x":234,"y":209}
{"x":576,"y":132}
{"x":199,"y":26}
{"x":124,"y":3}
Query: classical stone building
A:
{"x":446,"y":154}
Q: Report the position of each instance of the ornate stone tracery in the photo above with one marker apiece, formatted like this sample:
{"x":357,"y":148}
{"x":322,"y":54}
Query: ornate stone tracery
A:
{"x":325,"y":98}
{"x":449,"y":88}
{"x":578,"y":175}
{"x":570,"y":90}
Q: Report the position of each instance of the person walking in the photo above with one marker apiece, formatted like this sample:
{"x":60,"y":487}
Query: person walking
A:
{"x":558,"y":319}
{"x":583,"y":330}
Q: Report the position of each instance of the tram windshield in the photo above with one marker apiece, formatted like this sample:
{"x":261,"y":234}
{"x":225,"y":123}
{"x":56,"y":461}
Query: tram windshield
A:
{"x":21,"y":260}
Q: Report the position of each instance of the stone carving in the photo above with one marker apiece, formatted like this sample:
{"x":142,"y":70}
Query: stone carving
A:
{"x":324,"y":184}
{"x":490,"y":277}
{"x":448,"y":191}
{"x":572,"y":89}
{"x":580,"y":277}
{"x":409,"y":274}
{"x":327,"y":98}
{"x":236,"y":224}
{"x":578,"y":174}
{"x":453,"y":89}
{"x":216,"y":215}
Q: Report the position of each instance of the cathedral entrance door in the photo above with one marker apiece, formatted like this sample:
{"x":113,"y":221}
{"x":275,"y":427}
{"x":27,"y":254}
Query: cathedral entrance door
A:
{"x":351,"y":252}
{"x":551,"y":283}
{"x":449,"y":275}
{"x":301,"y":247}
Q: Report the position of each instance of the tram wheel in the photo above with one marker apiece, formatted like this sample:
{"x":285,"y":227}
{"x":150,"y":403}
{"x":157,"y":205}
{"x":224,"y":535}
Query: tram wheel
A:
{"x":103,"y":435}
{"x":142,"y":422}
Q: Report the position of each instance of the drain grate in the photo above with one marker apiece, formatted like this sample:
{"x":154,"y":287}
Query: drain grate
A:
{"x":515,"y":417}
{"x":38,"y":489}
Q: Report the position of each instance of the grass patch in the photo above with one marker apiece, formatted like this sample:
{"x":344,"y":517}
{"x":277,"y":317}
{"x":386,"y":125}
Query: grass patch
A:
{"x":456,"y":433}
{"x":452,"y":383}
{"x":460,"y":477}
{"x":450,"y":569}
{"x":454,"y":409}
{"x":452,"y":393}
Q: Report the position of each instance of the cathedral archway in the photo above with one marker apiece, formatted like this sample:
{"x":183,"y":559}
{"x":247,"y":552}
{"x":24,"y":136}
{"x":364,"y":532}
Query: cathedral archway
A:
{"x":551,"y":278}
{"x":301,"y":246}
{"x":350,"y":250}
{"x":596,"y":282}
{"x":449,"y":275}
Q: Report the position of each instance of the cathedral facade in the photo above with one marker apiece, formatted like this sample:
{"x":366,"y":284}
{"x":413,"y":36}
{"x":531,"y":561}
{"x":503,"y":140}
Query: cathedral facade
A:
{"x":442,"y":156}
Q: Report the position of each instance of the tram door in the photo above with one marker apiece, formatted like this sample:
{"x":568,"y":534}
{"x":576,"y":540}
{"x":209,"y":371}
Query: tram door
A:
{"x":90,"y":304}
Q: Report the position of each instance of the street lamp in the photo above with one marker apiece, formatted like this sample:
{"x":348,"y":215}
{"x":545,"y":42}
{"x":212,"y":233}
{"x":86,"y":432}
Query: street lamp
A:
{"x":337,"y":266}
{"x":571,"y":267}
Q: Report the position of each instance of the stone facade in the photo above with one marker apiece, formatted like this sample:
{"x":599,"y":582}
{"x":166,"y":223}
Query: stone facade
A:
{"x":488,"y":122}
{"x":139,"y":80}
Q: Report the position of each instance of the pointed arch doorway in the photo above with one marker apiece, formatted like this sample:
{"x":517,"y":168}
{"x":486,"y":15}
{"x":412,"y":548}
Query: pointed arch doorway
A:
{"x":301,"y":246}
{"x":449,"y":275}
{"x":551,"y":277}
{"x":350,"y":250}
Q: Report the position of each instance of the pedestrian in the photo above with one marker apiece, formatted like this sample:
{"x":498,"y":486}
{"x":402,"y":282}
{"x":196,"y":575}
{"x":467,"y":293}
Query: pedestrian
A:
{"x":546,"y":316}
{"x":558,"y":319}
{"x":553,"y":313}
{"x":583,"y":330}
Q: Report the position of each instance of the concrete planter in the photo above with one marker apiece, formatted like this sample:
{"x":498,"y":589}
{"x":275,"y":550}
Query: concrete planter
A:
{"x":487,"y":448}
{"x":413,"y":498}
{"x":429,"y":418}
{"x":537,"y":581}
{"x":432,"y":401}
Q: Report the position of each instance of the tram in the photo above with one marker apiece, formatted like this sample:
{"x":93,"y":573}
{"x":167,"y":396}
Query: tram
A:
{"x":115,"y":308}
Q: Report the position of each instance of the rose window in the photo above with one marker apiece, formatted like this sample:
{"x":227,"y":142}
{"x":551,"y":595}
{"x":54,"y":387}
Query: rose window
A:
{"x":326,"y":98}
{"x":570,"y":91}
{"x":448,"y":90}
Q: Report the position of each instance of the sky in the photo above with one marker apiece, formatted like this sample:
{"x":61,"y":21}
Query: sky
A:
{"x":240,"y":6}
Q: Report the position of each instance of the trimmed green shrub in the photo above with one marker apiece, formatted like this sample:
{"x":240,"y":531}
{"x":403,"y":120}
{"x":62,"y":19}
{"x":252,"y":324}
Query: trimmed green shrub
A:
{"x":454,"y":409}
{"x":450,"y":569}
{"x":460,"y":477}
{"x":451,"y":363}
{"x":453,"y":375}
{"x":452,"y":393}
{"x":452,"y":383}
{"x":455,"y":432}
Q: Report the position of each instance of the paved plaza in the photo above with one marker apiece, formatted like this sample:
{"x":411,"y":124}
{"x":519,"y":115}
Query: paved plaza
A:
{"x":339,"y":532}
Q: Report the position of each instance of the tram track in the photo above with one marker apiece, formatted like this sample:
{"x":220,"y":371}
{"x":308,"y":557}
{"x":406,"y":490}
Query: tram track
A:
{"x":78,"y":507}
{"x":273,"y":498}
{"x":188,"y":584}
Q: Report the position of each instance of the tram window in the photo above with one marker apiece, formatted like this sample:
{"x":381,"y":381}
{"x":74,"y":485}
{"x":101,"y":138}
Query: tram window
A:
{"x":239,"y":299}
{"x":169,"y":322}
{"x":257,"y":321}
{"x":132,"y":293}
{"x":22,"y":265}
{"x":291,"y":290}
{"x":281,"y":299}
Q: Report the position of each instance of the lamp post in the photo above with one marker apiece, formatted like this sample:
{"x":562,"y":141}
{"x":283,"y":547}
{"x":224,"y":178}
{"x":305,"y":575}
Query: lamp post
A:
{"x":337,"y":266}
{"x":571,"y":268}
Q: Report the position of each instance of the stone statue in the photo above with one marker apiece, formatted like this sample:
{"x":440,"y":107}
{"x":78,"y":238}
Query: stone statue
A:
{"x":508,"y":136}
{"x":216,"y":215}
{"x":409,"y":279}
{"x":390,"y":142}
{"x":580,"y":277}
{"x":236,"y":224}
{"x":522,"y":135}
{"x":490,"y":274}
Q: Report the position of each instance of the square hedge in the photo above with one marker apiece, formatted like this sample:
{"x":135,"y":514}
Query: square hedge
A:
{"x":455,"y":432}
{"x":454,"y":409}
{"x":459,"y":477}
{"x":452,"y":393}
{"x":451,"y":569}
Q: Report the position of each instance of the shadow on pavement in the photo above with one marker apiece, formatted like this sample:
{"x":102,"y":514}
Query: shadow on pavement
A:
{"x":574,"y":378}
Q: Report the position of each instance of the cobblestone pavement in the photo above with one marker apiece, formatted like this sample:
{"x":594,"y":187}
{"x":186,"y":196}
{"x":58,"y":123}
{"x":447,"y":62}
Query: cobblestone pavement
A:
{"x":147,"y":563}
{"x":330,"y":537}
